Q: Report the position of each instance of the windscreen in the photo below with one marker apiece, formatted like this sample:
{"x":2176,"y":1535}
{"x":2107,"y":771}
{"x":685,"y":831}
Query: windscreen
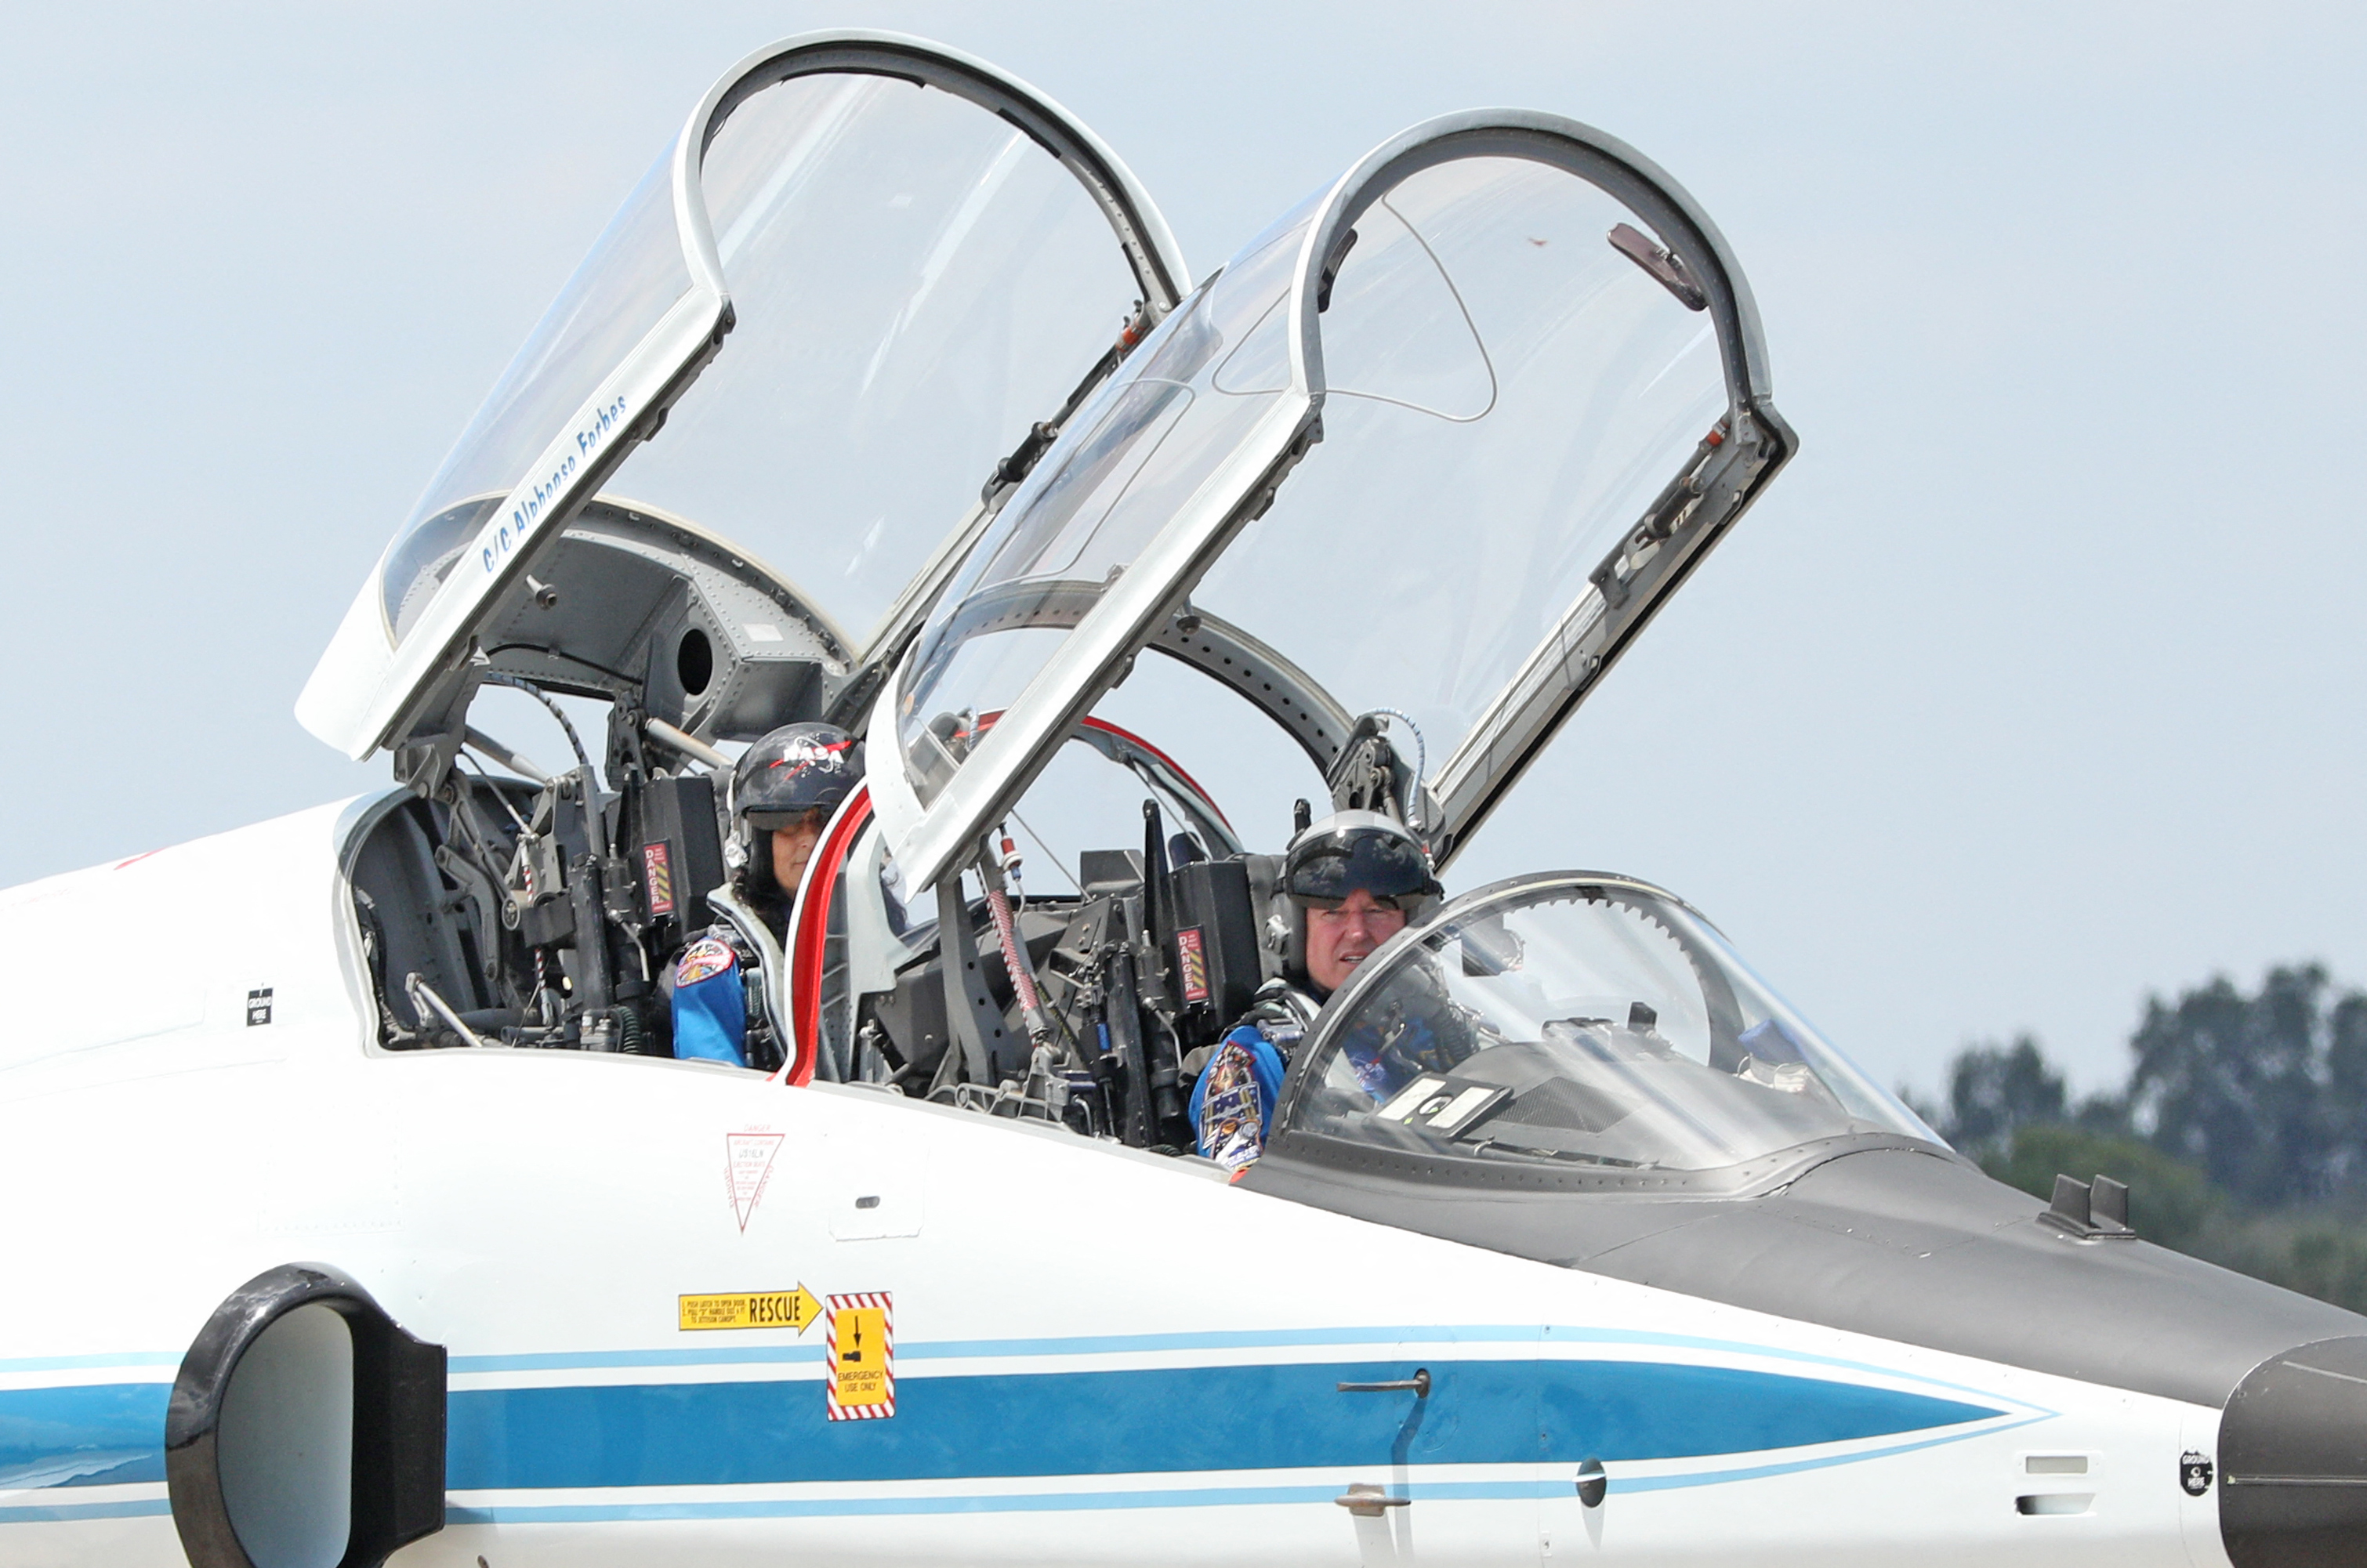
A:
{"x":1590,"y":1026}
{"x":1146,"y":443}
{"x":633,"y":275}
{"x":1506,"y":393}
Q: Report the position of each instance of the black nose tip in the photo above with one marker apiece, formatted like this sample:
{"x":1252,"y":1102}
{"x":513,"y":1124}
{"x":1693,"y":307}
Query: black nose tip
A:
{"x":2293,"y":1459}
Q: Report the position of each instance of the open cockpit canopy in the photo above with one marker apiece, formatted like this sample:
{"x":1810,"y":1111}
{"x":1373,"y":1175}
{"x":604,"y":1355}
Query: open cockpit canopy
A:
{"x":886,"y":400}
{"x":903,"y":266}
{"x":1540,"y":393}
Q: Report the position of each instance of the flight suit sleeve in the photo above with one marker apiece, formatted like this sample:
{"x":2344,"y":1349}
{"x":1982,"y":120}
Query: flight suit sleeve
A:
{"x":1232,"y":1101}
{"x":711,"y":1003}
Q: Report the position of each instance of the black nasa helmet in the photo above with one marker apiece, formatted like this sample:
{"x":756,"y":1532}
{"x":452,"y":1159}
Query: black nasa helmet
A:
{"x":796,"y":768}
{"x":1348,"y":852}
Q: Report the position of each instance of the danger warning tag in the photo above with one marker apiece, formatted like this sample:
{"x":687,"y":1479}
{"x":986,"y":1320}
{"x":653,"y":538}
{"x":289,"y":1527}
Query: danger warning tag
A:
{"x":795,"y":1309}
{"x":657,"y":877}
{"x":862,"y":1348}
{"x":1192,"y":963}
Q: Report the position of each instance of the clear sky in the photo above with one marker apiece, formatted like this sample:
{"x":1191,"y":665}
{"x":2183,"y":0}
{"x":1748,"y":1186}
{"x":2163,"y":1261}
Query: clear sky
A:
{"x":2034,"y":684}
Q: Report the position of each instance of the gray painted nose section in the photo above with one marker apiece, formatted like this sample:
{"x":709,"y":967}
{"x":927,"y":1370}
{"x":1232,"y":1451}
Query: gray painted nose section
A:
{"x":1914,"y":1246}
{"x":2293,"y":1459}
{"x":1920,"y":1247}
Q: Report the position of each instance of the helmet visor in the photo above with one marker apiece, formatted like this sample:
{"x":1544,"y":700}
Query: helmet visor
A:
{"x":1383,"y":864}
{"x":774,"y":821}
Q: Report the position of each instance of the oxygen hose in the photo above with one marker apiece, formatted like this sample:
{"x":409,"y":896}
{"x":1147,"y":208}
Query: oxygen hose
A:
{"x":1014,"y":956}
{"x":1411,"y":806}
{"x":1022,"y":981}
{"x":496,"y":678}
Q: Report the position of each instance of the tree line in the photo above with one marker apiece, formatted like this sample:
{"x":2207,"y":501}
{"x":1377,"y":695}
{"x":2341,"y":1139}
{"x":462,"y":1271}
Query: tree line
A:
{"x":2241,"y":1127}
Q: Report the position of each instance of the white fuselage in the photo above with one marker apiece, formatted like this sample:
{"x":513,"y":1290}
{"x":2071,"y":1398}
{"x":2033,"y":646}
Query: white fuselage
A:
{"x":1098,"y":1354}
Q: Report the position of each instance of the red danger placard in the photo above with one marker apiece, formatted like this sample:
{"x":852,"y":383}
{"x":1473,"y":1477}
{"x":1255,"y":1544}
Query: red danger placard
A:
{"x":1192,"y":963}
{"x":657,"y":875}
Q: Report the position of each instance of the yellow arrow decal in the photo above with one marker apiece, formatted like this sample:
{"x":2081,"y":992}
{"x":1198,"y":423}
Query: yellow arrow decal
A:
{"x":795,"y":1309}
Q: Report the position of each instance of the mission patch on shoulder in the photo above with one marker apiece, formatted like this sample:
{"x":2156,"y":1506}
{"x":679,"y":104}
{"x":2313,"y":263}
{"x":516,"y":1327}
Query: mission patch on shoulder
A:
{"x":703,"y":960}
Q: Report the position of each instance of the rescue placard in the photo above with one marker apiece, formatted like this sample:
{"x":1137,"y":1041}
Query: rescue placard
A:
{"x":862,"y":1347}
{"x":752,"y":1309}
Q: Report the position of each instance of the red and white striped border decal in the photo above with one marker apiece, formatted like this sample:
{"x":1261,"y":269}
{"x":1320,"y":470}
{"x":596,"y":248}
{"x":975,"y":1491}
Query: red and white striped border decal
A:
{"x":885,"y":1302}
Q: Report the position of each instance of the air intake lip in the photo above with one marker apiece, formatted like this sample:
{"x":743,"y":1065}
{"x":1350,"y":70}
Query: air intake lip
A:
{"x":2293,"y":1459}
{"x":397,"y":1404}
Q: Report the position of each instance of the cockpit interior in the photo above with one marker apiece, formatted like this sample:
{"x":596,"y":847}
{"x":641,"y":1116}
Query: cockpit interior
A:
{"x":887,"y":400}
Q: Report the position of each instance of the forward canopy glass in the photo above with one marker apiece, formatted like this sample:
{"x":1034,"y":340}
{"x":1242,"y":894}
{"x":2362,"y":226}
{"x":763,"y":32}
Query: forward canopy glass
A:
{"x":1536,"y":378}
{"x":901,"y":262}
{"x":1589,"y":1024}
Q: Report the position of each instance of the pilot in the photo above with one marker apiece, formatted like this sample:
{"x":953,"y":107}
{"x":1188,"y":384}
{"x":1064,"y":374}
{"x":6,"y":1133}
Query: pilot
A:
{"x":1349,"y":883}
{"x":784,"y":790}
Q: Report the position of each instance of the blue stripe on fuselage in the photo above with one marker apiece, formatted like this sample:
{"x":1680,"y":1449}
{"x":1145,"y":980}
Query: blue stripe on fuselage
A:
{"x":85,"y":1435}
{"x":1166,"y":1419}
{"x":1047,"y":1423}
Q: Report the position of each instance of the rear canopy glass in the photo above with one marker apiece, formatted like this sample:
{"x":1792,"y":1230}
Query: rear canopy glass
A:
{"x":915,"y":278}
{"x":633,"y":277}
{"x":916,"y":281}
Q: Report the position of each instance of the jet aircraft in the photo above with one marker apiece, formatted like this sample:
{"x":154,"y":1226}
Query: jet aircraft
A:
{"x":376,"y":1220}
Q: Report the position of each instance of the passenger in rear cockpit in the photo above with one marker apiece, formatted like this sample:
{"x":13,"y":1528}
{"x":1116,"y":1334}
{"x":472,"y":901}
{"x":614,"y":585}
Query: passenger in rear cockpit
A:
{"x":1349,"y":883}
{"x":783,"y":791}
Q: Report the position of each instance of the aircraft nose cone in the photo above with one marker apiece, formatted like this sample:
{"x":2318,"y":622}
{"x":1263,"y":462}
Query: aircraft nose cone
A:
{"x":2293,"y":1459}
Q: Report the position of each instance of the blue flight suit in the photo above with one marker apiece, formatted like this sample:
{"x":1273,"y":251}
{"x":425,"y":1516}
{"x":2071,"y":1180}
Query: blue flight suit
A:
{"x":711,"y":1001}
{"x":1385,"y":1048}
{"x":1233,"y":1099}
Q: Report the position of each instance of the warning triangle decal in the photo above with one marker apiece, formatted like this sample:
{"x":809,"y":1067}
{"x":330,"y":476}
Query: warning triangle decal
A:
{"x":748,"y":1166}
